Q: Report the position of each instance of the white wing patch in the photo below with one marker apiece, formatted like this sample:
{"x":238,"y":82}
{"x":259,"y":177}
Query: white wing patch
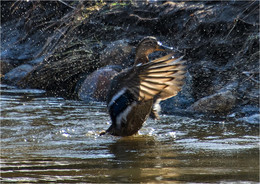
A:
{"x":116,"y":96}
{"x":123,"y":115}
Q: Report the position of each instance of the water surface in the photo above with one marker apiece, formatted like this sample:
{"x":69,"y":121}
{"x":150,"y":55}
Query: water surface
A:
{"x":47,"y":139}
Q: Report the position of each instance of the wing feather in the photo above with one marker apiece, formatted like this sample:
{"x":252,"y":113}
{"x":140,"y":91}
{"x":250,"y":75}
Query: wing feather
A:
{"x":162,"y":77}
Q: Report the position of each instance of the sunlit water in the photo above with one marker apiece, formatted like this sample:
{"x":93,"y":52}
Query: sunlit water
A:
{"x":47,"y":139}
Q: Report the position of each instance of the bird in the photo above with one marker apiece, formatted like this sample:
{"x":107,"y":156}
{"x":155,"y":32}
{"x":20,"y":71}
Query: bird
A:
{"x":135,"y":93}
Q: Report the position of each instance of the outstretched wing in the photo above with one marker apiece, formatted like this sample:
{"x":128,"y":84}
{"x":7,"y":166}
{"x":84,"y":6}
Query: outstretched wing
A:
{"x":162,"y":77}
{"x":159,"y":79}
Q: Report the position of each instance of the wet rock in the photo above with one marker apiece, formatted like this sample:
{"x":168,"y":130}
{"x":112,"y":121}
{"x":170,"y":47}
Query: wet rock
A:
{"x":116,"y":53}
{"x":18,"y":47}
{"x":5,"y":67}
{"x":17,"y":73}
{"x":179,"y":103}
{"x":248,"y":89}
{"x":249,"y":110}
{"x":36,"y":61}
{"x":253,"y":119}
{"x":202,"y":79}
{"x":221,"y":102}
{"x":96,"y":85}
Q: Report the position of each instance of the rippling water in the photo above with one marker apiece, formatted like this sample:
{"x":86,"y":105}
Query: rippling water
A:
{"x":47,"y":139}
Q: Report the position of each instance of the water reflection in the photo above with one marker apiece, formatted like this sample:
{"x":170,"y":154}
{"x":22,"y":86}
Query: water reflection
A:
{"x":46,"y":139}
{"x":143,"y":158}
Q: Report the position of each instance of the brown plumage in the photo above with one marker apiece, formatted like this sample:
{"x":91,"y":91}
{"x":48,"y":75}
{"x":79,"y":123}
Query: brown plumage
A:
{"x":134,"y":91}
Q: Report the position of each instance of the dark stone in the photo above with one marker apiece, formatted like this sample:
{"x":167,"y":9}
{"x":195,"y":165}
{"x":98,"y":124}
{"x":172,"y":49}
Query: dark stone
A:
{"x":179,"y":103}
{"x":116,"y":53}
{"x":5,"y":67}
{"x":248,"y":110}
{"x":17,"y":73}
{"x":96,"y":85}
{"x":221,"y":102}
{"x":252,"y":119}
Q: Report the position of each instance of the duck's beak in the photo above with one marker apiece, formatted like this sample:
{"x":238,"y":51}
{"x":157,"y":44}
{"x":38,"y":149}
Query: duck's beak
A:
{"x":162,"y":47}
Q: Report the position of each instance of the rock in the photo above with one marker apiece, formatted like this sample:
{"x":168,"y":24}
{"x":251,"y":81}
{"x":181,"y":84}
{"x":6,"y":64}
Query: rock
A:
{"x":180,"y":102}
{"x":37,"y":61}
{"x":116,"y":53}
{"x":5,"y":68}
{"x":248,"y":90}
{"x":17,"y":73}
{"x":221,"y":102}
{"x":15,"y":49}
{"x":96,"y":85}
{"x":249,"y":110}
{"x":253,"y":119}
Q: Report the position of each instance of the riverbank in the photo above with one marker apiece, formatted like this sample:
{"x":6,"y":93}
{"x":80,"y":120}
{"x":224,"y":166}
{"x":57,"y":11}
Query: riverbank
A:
{"x":57,"y":46}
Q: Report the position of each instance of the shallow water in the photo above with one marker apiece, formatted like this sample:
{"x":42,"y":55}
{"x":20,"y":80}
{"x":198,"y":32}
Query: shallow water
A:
{"x":47,"y":139}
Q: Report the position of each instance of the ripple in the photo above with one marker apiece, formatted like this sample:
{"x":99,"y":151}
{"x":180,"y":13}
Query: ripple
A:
{"x":47,"y":139}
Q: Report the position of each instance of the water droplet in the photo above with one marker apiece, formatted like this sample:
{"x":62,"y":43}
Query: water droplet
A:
{"x":65,"y":134}
{"x":172,"y":134}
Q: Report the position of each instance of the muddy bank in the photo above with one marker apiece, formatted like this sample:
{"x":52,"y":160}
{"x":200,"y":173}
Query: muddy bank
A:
{"x":57,"y":46}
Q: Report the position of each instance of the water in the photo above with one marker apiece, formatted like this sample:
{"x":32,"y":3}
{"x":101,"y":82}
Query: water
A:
{"x":47,"y":139}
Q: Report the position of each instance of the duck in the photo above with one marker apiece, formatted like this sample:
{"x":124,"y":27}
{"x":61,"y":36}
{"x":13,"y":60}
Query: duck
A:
{"x":135,"y":93}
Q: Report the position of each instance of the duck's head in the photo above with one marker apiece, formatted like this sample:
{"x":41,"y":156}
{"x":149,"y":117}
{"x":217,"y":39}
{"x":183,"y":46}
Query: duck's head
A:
{"x":147,"y":46}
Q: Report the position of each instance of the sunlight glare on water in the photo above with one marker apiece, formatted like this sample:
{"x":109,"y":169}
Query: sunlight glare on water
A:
{"x":48,"y":139}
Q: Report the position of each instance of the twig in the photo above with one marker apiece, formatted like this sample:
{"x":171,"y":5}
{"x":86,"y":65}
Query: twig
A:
{"x":67,"y":4}
{"x":251,"y":77}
